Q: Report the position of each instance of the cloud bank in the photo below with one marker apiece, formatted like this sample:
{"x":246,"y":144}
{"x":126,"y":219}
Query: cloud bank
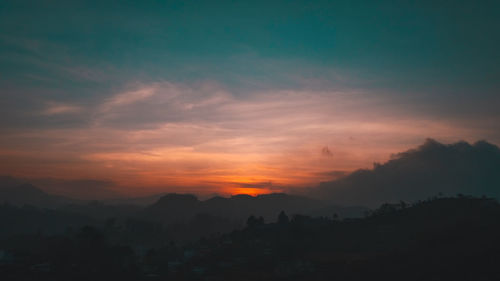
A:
{"x":429,"y":170}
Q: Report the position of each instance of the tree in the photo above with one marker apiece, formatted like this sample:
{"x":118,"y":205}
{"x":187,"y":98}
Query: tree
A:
{"x":403,"y":204}
{"x":252,"y":221}
{"x":283,"y":218}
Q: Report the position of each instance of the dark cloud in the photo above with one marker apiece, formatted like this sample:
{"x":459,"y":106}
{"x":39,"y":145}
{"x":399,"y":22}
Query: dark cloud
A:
{"x":263,"y":185}
{"x":432,"y":168}
{"x":325,"y":151}
{"x":334,"y":174}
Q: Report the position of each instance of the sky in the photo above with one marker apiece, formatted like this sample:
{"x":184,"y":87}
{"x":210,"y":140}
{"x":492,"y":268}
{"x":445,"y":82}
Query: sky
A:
{"x":228,"y":97}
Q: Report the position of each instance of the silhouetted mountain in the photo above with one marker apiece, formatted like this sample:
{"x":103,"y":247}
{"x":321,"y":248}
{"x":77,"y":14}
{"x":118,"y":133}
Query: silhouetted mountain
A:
{"x":83,"y":189}
{"x":27,"y":194}
{"x":174,"y":207}
{"x":137,"y":201}
{"x":31,"y":220}
{"x":178,"y":207}
{"x":8,"y":181}
{"x":19,"y":192}
{"x":99,"y":210}
{"x":416,"y":174}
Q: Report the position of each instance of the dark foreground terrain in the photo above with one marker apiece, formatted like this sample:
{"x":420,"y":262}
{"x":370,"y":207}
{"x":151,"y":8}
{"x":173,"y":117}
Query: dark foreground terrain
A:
{"x":438,"y":239}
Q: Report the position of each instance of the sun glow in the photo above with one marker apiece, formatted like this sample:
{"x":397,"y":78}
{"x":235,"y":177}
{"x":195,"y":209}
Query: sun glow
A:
{"x":203,"y":139}
{"x":248,"y":191}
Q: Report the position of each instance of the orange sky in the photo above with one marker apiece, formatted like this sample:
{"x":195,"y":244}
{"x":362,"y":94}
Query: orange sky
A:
{"x":204,"y":139}
{"x":234,"y":96}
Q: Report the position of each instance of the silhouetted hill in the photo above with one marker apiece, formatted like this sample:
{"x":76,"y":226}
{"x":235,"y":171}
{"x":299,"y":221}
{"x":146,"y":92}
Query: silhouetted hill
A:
{"x":419,"y":173}
{"x":31,"y":220}
{"x":178,"y":207}
{"x":27,"y":194}
{"x":99,"y":210}
{"x":137,"y":201}
{"x":439,"y":239}
{"x":174,"y":207}
{"x":8,"y":181}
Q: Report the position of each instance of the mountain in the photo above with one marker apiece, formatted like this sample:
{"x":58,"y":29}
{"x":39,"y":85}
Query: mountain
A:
{"x":28,"y":194}
{"x":136,"y":201}
{"x":16,"y":220}
{"x":431,"y":169}
{"x":8,"y":181}
{"x":174,"y":207}
{"x":178,"y":207}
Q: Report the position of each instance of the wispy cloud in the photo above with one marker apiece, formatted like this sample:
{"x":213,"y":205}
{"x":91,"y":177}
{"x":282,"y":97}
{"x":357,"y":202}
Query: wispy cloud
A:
{"x":203,"y":137}
{"x":54,"y":108}
{"x":127,"y":98}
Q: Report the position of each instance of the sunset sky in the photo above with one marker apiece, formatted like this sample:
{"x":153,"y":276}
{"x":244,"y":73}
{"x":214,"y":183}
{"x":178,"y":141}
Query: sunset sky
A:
{"x":237,"y":97}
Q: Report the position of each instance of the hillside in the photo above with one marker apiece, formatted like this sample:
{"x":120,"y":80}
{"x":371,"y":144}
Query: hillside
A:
{"x":440,"y":239}
{"x":178,"y":207}
{"x":28,"y":194}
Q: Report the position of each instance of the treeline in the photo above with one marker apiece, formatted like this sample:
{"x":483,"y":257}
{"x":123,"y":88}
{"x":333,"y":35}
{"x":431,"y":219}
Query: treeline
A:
{"x":437,"y":239}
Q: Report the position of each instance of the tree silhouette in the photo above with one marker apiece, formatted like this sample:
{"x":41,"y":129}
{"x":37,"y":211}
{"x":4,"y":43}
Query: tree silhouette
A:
{"x":283,"y":218}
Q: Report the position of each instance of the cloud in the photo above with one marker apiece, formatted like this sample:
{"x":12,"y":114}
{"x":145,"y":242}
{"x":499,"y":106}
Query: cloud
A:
{"x":263,"y":185}
{"x":127,"y":98}
{"x":172,"y":135}
{"x":54,"y":108}
{"x":419,"y":173}
{"x":157,"y":104}
{"x":334,"y":174}
{"x":325,"y":151}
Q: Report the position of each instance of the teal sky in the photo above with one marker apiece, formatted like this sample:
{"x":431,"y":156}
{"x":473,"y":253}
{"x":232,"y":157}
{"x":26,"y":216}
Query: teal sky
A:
{"x":64,"y":63}
{"x":405,"y":42}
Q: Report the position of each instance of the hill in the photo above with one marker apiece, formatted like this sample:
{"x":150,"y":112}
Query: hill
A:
{"x":439,"y":239}
{"x":178,"y":207}
{"x":16,"y":192}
